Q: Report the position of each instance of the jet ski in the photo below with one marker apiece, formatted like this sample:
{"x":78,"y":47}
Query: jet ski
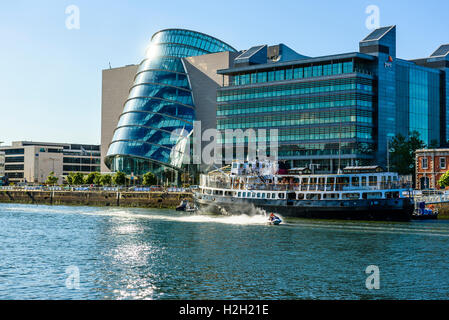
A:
{"x":274,"y":220}
{"x":182,"y":206}
{"x":186,"y":206}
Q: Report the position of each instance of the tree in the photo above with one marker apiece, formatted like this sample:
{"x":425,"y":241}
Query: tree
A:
{"x":402,"y":152}
{"x":444,"y":180}
{"x":78,"y":178}
{"x":149,"y":179}
{"x":105,"y":180}
{"x":119,"y":178}
{"x":97,"y":179}
{"x":51,"y":179}
{"x":90,"y":178}
{"x":69,"y":178}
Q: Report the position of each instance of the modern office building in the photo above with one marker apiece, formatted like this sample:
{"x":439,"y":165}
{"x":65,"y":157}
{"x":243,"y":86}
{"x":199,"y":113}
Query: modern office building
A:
{"x":331,"y":111}
{"x":32,"y":162}
{"x":337,"y":110}
{"x":174,"y":86}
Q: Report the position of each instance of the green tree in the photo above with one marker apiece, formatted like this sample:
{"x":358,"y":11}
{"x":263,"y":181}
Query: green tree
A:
{"x":444,"y":180}
{"x":90,"y":178}
{"x":51,"y":179}
{"x":78,"y":178}
{"x":149,"y":179}
{"x":119,"y":178}
{"x":402,"y":152}
{"x":106,"y":180}
{"x":69,"y":178}
{"x":97,"y":179}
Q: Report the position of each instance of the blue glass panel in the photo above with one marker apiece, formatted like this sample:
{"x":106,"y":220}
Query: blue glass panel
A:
{"x":163,"y":63}
{"x":163,"y":77}
{"x":162,"y":92}
{"x":158,"y":106}
{"x":154,"y":136}
{"x":140,"y":149}
{"x":154,"y":120}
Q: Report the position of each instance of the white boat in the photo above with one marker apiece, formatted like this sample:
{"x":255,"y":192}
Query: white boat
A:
{"x":362,"y":193}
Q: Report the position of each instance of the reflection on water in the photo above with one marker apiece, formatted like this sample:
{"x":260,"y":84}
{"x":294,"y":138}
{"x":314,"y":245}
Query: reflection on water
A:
{"x":163,"y":254}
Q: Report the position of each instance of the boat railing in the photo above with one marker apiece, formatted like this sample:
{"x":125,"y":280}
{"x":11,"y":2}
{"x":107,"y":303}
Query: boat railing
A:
{"x":304,"y":186}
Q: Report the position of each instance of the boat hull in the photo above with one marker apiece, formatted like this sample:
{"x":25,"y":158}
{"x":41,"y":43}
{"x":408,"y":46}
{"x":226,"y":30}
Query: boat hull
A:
{"x":400,"y":209}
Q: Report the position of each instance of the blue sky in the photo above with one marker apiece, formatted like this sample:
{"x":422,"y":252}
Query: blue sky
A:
{"x":50,"y":76}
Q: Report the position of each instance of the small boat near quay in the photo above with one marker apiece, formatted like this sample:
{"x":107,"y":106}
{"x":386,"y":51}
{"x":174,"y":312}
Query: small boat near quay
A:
{"x":360,"y":193}
{"x":423,"y":212}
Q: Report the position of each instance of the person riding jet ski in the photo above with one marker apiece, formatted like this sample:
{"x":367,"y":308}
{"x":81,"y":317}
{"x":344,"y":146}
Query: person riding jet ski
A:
{"x":274,"y":219}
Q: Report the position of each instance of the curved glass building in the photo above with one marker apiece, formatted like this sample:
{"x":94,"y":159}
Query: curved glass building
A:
{"x":158,"y":115}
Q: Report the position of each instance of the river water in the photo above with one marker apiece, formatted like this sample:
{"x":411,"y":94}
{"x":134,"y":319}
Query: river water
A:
{"x":59,"y":252}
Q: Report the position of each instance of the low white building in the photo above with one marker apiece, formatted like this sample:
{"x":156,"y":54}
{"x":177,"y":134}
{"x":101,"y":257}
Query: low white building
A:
{"x":32,"y":162}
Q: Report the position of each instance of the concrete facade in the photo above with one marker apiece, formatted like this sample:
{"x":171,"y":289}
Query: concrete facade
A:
{"x":116,"y":83}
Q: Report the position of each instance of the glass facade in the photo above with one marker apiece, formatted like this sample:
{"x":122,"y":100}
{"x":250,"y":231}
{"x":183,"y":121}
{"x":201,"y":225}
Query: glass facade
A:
{"x":159,"y":103}
{"x":322,"y":112}
{"x":418,"y":96}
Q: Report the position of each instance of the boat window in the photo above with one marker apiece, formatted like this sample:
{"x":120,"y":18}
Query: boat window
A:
{"x":281,"y":196}
{"x":364,"y":181}
{"x":239,"y":194}
{"x":352,"y":196}
{"x":254,"y":194}
{"x":372,"y":180}
{"x":342,"y":182}
{"x":392,"y":195}
{"x":313,"y":182}
{"x":330,"y":196}
{"x":372,"y":195}
{"x":273,"y":195}
{"x":244,"y":195}
{"x":313,"y":196}
{"x":300,"y":196}
{"x":263,"y":195}
{"x":355,"y":181}
{"x":258,"y":195}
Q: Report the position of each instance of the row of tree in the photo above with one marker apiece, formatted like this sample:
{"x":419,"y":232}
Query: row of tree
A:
{"x":96,"y":178}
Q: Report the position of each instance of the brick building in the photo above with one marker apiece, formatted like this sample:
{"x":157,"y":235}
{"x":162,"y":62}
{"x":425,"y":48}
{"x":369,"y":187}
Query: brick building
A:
{"x":431,"y":164}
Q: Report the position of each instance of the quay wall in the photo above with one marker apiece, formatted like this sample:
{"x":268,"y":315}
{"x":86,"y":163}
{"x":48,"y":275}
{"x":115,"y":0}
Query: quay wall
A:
{"x":96,"y":198}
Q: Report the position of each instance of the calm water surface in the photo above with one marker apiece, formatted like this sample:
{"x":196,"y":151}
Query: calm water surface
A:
{"x":161,"y":254}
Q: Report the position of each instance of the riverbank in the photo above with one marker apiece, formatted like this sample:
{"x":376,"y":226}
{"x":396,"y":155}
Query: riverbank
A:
{"x":96,"y":198}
